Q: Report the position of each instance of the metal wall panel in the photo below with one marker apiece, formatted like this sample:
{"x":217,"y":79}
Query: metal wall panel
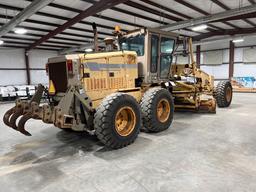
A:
{"x":249,"y":55}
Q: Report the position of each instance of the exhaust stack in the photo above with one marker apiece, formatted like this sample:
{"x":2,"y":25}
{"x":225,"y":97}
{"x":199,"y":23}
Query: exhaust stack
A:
{"x":95,"y":33}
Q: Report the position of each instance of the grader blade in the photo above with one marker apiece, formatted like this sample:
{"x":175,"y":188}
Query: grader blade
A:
{"x":22,"y":122}
{"x":207,"y":106}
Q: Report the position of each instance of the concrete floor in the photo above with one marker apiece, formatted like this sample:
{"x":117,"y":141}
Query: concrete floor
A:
{"x":200,"y":152}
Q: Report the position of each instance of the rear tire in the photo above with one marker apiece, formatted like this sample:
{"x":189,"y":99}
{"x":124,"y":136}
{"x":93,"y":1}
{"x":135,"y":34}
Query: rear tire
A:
{"x":157,"y":109}
{"x":117,"y":120}
{"x":224,"y":94}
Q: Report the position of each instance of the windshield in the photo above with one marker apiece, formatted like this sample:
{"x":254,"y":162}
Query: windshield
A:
{"x":133,"y":43}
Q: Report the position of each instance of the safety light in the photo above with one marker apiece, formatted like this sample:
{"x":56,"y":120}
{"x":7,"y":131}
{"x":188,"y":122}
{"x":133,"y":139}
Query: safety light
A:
{"x":70,"y":66}
{"x":117,"y":28}
{"x":1,"y":42}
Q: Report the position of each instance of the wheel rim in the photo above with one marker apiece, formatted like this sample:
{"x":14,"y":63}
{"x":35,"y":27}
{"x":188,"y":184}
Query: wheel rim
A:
{"x":125,"y":121}
{"x":163,"y":110}
{"x":228,"y":94}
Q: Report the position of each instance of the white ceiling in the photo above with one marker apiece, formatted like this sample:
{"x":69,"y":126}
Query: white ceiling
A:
{"x":49,"y":23}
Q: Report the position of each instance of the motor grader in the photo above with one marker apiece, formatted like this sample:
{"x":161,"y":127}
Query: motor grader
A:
{"x":117,"y":92}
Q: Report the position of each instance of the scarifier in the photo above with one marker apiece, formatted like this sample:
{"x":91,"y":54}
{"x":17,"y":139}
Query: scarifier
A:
{"x":115,"y":93}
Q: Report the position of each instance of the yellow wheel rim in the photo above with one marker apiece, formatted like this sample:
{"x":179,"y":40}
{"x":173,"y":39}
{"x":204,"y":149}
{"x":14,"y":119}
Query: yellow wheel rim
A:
{"x":163,"y":110}
{"x":229,"y":94}
{"x":125,"y":121}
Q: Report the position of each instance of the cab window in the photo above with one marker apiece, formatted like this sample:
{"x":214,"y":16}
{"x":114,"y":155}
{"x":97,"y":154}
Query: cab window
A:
{"x":154,"y":53}
{"x":167,"y":45}
{"x":166,"y":49}
{"x":133,"y":43}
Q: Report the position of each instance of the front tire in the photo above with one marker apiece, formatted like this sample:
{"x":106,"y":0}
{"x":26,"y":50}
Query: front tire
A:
{"x":224,"y":94}
{"x":157,"y":109}
{"x":117,"y":120}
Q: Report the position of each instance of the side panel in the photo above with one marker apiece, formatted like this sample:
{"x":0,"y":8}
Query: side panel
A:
{"x":107,"y":75}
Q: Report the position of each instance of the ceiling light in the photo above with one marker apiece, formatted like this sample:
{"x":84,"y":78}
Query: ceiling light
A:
{"x":88,"y":50}
{"x":20,"y":31}
{"x":199,"y":27}
{"x":238,"y":40}
{"x":1,"y":42}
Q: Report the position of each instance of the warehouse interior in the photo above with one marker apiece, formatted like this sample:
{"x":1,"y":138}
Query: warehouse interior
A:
{"x":200,"y":151}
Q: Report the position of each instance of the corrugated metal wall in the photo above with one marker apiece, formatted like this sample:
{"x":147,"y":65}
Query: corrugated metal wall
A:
{"x":13,"y":70}
{"x":12,"y":66}
{"x":241,"y":68}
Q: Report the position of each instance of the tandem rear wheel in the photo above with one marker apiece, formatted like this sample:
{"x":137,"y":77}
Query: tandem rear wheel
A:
{"x":117,"y":120}
{"x":157,"y":108}
{"x":119,"y":117}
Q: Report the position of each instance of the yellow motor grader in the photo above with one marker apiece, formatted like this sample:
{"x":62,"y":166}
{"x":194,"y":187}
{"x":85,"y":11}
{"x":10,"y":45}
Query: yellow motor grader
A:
{"x":115,"y":93}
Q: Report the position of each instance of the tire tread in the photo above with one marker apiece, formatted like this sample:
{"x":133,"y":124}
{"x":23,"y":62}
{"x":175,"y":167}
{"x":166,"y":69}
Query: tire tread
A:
{"x":102,"y":121}
{"x":147,"y":104}
{"x":220,"y":93}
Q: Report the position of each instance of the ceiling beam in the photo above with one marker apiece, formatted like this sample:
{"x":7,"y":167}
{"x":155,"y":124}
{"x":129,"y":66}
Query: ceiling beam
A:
{"x":56,"y":25}
{"x":132,"y":4}
{"x":210,"y":18}
{"x":152,"y":11}
{"x":226,"y":32}
{"x":49,"y":24}
{"x":8,"y":37}
{"x":66,"y":8}
{"x":97,"y":7}
{"x":24,"y":47}
{"x":29,"y":35}
{"x":81,"y":47}
{"x":239,"y":17}
{"x":225,"y":7}
{"x":213,"y":28}
{"x":166,"y":9}
{"x":184,"y":3}
{"x":141,"y":7}
{"x":252,"y":1}
{"x":131,"y":13}
{"x":75,"y":11}
{"x":27,"y":43}
{"x":215,"y":40}
{"x":222,"y":5}
{"x":23,"y":15}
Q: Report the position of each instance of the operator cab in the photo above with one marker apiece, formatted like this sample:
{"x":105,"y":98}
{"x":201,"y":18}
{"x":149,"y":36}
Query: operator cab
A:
{"x":154,"y":49}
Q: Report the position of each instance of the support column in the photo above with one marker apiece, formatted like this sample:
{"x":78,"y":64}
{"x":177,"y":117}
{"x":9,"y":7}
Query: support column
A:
{"x":27,"y":67}
{"x":198,"y":56}
{"x":231,"y":59}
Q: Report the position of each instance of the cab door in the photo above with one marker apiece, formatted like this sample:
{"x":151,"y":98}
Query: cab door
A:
{"x":166,"y":48}
{"x":161,"y":56}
